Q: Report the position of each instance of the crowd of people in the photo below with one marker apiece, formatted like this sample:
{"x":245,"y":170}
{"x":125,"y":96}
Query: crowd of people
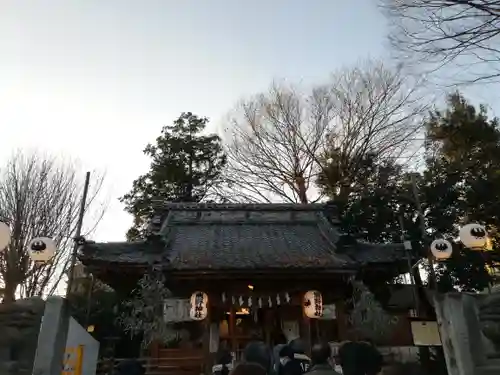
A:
{"x":354,"y":358}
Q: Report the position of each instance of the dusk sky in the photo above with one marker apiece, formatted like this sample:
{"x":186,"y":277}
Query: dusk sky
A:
{"x":96,"y":80}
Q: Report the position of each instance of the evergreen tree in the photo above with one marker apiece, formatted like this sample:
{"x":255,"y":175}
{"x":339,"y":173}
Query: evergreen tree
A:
{"x":462,"y":184}
{"x":185,"y":166}
{"x":372,"y":200}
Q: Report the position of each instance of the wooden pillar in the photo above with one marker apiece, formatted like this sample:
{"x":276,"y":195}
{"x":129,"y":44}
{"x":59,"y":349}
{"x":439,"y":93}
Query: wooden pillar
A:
{"x":207,"y":358}
{"x":154,"y":354}
{"x":306,"y":330}
{"x":232,"y":331}
{"x":268,"y":326}
{"x":154,"y":349}
{"x":341,"y":315}
{"x":317,"y":329}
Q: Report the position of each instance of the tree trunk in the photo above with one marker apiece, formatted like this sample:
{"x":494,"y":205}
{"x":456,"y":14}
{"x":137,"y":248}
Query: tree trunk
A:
{"x":9,"y":292}
{"x":301,"y":189}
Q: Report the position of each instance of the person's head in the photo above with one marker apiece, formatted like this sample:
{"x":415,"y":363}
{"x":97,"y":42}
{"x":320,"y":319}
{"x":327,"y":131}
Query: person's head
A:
{"x":321,"y":354}
{"x":280,"y":339}
{"x":249,"y":368}
{"x":222,"y":369}
{"x":286,"y":352}
{"x":223,"y":360}
{"x":367,"y":340}
{"x":298,"y":346}
{"x":224,"y":357}
{"x":359,"y":357}
{"x":132,"y":367}
{"x":256,"y":336}
{"x":257,"y":352}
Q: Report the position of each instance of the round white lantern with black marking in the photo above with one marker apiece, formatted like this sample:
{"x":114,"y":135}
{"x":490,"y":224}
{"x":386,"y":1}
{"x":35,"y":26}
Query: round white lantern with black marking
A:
{"x":199,"y":306}
{"x":4,"y":236}
{"x":473,"y":236}
{"x":441,"y":249}
{"x":313,"y":304}
{"x":42,"y":249}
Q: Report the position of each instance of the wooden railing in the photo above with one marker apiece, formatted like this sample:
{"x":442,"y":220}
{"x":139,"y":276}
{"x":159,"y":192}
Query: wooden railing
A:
{"x":169,"y":362}
{"x":191,"y":362}
{"x":391,"y":354}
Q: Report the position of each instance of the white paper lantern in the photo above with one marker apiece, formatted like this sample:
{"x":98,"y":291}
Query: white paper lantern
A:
{"x":4,"y":236}
{"x":199,"y":306}
{"x":42,"y":249}
{"x":473,"y":236}
{"x":313,"y":304}
{"x":441,"y":249}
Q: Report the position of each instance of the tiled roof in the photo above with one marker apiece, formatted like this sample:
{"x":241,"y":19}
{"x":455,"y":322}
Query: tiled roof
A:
{"x":120,"y":252}
{"x":252,"y":246}
{"x":262,"y":236}
{"x":378,"y":253}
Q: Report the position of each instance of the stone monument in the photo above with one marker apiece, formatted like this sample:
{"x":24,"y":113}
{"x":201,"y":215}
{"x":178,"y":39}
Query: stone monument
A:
{"x":37,"y":335}
{"x":19,"y":326}
{"x":470,"y":332}
{"x":489,"y":317}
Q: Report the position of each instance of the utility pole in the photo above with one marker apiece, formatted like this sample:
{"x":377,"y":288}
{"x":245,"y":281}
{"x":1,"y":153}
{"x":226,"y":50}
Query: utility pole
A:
{"x":407,"y":246}
{"x":425,"y":239}
{"x":424,"y":351}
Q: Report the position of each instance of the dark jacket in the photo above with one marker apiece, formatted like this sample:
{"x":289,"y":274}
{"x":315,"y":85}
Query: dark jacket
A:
{"x":258,"y":352}
{"x":323,"y":369}
{"x":222,"y":369}
{"x":297,"y":365}
{"x":276,"y":358}
{"x":130,"y":367}
{"x":224,"y":360}
{"x":360,"y":358}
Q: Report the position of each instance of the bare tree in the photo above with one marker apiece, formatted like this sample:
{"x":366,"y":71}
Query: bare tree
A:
{"x":435,"y":33}
{"x":40,"y":197}
{"x":279,"y":142}
{"x":272,"y":140}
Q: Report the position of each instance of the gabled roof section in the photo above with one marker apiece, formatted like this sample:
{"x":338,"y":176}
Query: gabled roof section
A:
{"x":367,"y":253}
{"x":240,"y":237}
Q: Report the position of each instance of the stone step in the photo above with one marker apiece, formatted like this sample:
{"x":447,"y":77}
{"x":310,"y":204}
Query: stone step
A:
{"x":491,"y":367}
{"x":493,"y":362}
{"x":488,"y":370}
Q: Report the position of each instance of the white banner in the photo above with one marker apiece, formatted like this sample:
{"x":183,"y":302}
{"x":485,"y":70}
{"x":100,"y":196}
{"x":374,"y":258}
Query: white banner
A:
{"x":176,"y":310}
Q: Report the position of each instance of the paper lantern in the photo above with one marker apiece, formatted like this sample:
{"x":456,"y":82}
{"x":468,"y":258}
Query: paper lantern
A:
{"x":473,"y":236}
{"x":441,"y":249}
{"x":42,"y":249}
{"x":313,"y":304}
{"x":4,"y":236}
{"x":199,"y":306}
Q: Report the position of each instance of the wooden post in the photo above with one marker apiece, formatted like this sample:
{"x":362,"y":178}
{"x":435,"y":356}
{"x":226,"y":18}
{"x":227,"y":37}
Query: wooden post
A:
{"x":232,"y":331}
